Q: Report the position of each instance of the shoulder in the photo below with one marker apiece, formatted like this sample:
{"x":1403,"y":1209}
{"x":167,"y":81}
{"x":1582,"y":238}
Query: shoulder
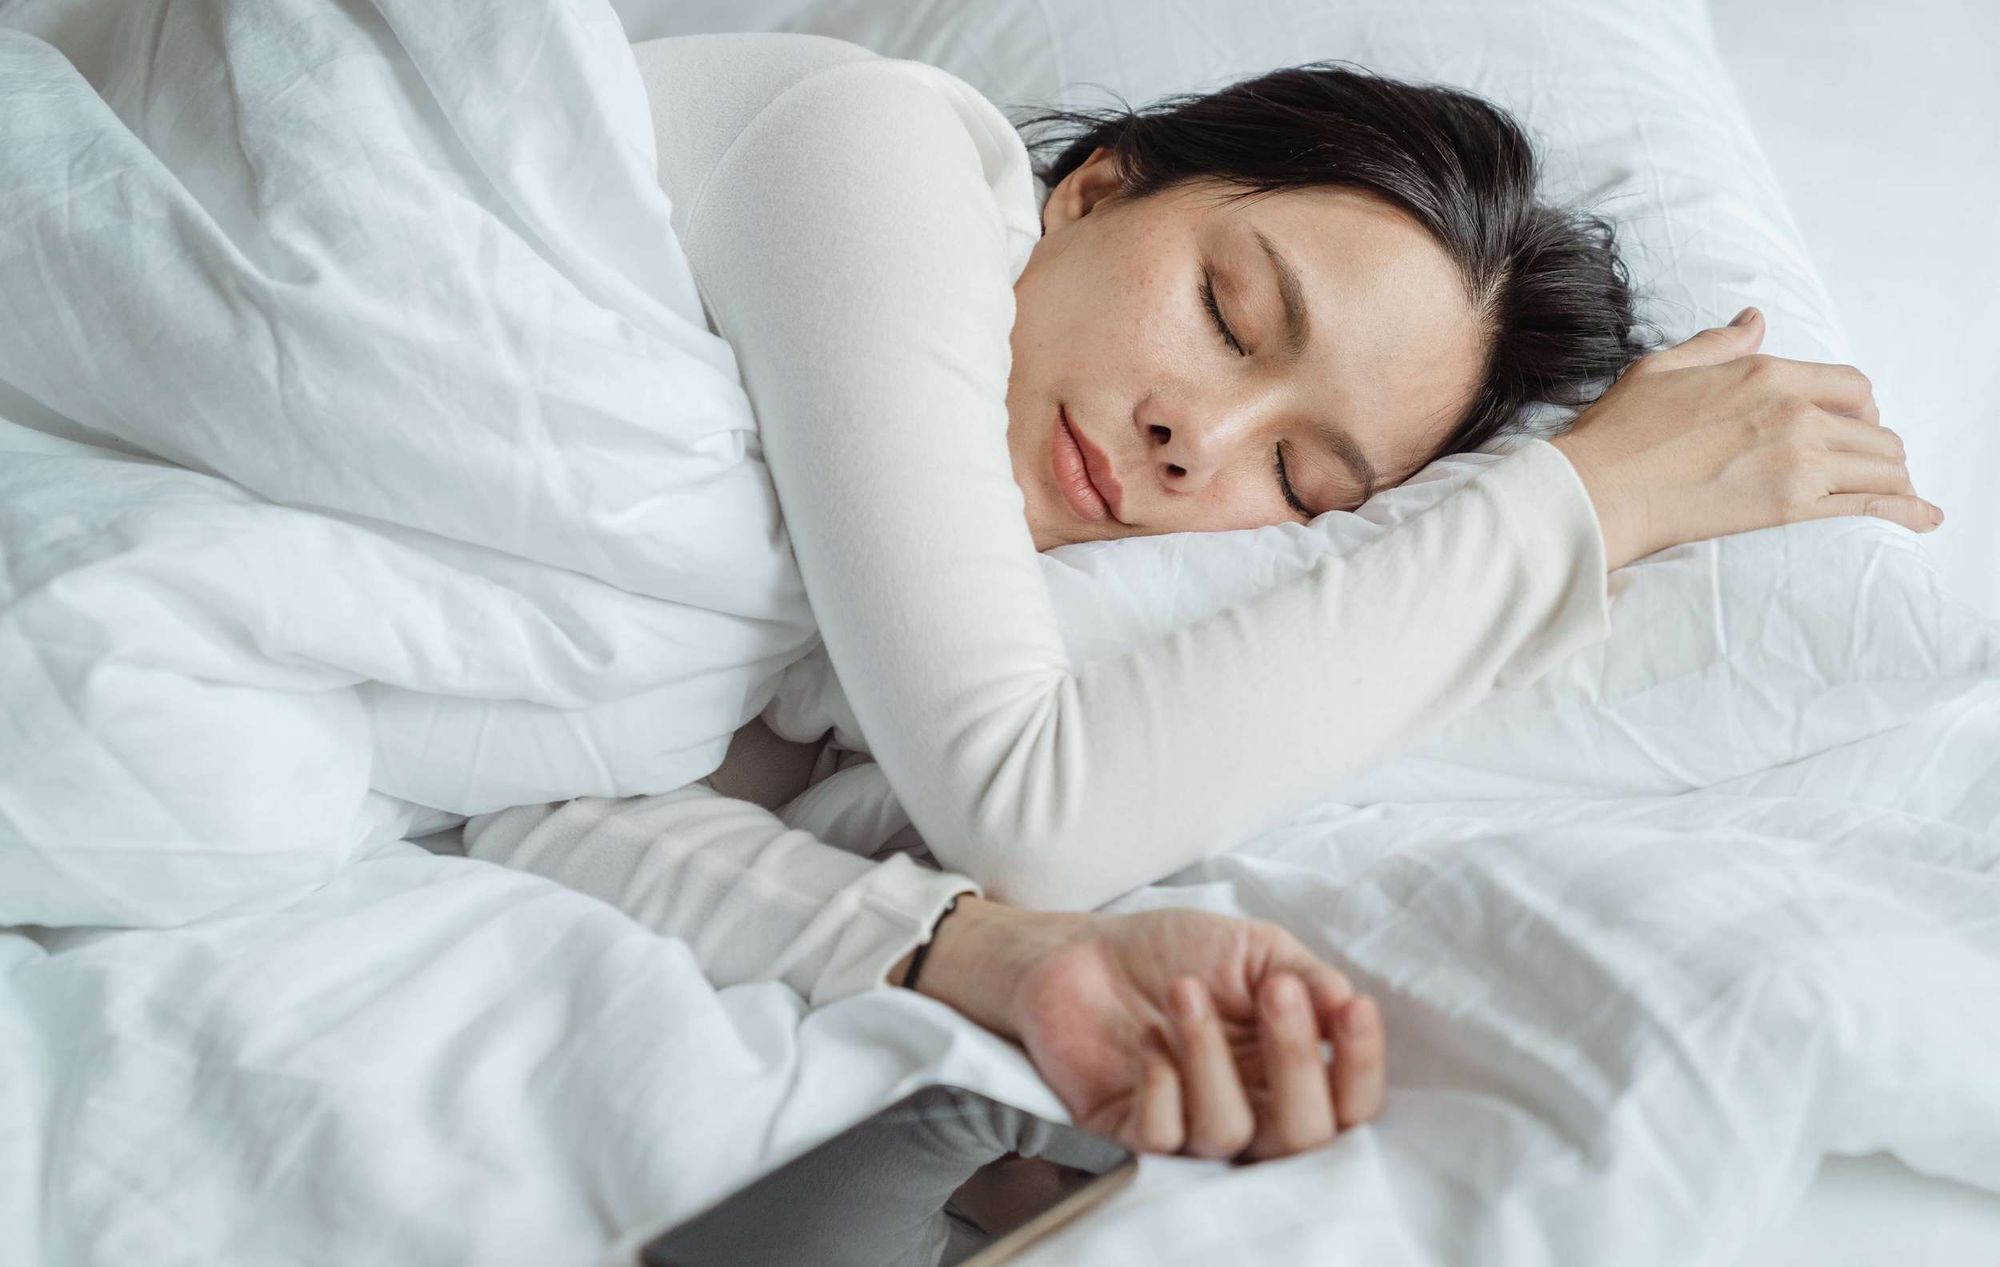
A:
{"x":704,"y":90}
{"x":825,"y":124}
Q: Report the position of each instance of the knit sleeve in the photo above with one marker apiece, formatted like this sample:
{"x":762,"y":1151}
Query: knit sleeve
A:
{"x":754,"y":898}
{"x":851,"y":249}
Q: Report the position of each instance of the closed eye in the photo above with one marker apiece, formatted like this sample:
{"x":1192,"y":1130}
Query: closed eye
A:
{"x":1235,"y":345}
{"x":1215,"y":313}
{"x":1285,"y":485}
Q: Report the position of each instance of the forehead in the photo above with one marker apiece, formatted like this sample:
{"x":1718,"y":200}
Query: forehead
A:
{"x":1396,"y":351}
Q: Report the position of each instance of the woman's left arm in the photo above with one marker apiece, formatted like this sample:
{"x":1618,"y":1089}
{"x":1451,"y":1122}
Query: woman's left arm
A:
{"x":1089,"y":995}
{"x":753,"y":897}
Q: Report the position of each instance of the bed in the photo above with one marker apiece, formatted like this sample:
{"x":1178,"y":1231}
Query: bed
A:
{"x":1681,"y":950}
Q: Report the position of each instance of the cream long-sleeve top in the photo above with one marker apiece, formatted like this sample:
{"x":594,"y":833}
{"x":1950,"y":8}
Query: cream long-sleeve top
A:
{"x":855,"y":224}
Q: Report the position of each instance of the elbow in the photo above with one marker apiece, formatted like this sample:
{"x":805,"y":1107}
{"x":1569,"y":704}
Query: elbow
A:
{"x":1037,"y":873}
{"x":1036,"y":890}
{"x":1036,"y":832}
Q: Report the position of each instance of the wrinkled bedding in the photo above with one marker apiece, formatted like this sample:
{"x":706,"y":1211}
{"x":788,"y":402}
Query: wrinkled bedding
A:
{"x":1711,"y":901}
{"x":444,"y":494}
{"x":374,"y":469}
{"x":1624,"y":1031}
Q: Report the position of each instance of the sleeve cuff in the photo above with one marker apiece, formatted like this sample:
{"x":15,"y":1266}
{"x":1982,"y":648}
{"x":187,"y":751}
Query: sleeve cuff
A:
{"x":1548,"y":512}
{"x":900,"y":903}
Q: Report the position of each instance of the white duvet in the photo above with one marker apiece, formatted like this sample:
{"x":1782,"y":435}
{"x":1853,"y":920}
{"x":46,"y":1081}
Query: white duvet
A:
{"x":448,"y":495}
{"x":375,"y":461}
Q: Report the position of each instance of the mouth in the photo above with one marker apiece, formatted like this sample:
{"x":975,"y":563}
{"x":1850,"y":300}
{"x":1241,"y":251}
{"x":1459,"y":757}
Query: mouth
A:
{"x":1083,"y":474}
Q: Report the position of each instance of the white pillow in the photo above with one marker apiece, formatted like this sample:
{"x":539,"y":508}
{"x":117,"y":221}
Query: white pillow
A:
{"x":1630,"y":105}
{"x":1725,"y":657}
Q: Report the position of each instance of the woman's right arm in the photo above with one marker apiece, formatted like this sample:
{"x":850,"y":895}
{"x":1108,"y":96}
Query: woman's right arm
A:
{"x":856,"y":257}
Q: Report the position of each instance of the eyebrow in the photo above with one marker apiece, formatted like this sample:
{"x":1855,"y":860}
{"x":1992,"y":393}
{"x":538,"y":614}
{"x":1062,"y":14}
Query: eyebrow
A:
{"x":1291,"y":293}
{"x":1298,"y":331}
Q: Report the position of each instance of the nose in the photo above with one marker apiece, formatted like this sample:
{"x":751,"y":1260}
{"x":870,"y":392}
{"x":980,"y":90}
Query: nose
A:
{"x":1195,"y":438}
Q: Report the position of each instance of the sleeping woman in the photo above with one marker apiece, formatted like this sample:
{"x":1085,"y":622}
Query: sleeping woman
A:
{"x":1224,"y":311}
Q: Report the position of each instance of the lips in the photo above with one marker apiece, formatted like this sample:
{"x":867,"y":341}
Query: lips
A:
{"x":1083,"y":474}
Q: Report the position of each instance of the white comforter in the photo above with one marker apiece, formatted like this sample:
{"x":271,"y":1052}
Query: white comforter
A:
{"x":379,"y":459}
{"x":492,"y":523}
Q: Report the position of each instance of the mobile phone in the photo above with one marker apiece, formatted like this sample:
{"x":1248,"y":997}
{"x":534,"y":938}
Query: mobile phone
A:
{"x":893,"y":1189}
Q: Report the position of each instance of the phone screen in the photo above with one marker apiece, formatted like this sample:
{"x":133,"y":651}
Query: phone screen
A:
{"x":942,"y":1178}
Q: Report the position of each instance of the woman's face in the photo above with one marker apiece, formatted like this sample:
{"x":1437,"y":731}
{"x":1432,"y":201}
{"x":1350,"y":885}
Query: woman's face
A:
{"x":1350,"y":349}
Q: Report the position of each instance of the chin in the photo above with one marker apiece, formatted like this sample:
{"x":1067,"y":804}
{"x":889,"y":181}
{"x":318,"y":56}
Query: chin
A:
{"x":1057,"y":527}
{"x":1044,"y":538}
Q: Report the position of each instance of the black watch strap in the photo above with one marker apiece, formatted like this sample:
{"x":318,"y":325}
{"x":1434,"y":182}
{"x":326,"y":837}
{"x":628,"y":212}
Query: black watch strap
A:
{"x":917,"y":960}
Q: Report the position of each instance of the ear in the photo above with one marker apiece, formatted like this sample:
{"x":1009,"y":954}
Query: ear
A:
{"x":1094,"y":180}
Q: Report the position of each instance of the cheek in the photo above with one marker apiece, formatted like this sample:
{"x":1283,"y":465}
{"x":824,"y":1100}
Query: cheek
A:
{"x":1250,"y":504}
{"x":1114,"y":302}
{"x":1244,"y":496}
{"x":1154,"y":296}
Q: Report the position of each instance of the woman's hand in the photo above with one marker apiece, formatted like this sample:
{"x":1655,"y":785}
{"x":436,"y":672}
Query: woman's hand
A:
{"x":1707,"y":438}
{"x":1170,"y":1031}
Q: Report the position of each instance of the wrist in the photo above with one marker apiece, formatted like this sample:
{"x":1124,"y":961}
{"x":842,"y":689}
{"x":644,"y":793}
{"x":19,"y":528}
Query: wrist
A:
{"x":1620,"y":517}
{"x":981,"y":956}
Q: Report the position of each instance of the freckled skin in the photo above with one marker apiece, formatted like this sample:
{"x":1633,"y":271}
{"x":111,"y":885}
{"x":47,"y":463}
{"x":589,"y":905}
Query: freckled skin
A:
{"x":1110,"y":325}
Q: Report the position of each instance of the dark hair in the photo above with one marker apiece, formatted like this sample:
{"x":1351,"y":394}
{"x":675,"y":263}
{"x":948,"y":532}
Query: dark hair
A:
{"x":1551,"y":293}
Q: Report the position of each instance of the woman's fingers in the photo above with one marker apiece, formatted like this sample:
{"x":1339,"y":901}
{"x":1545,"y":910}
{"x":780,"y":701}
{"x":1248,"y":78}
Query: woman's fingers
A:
{"x":1877,"y":486}
{"x":1838,"y":389}
{"x":1869,"y":473}
{"x":1714,"y":346}
{"x":1219,"y":1120}
{"x":1868,"y":412}
{"x":1328,"y":986}
{"x":1864,"y":472}
{"x":1855,"y":435}
{"x":1360,"y":1058}
{"x":1913,"y":513}
{"x":1360,"y":1062}
{"x":1155,"y":1123}
{"x":1297,"y":1108}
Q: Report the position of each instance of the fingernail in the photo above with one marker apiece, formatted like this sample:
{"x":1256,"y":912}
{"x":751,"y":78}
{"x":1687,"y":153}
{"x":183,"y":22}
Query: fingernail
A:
{"x":1744,"y":318}
{"x":1937,"y":514}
